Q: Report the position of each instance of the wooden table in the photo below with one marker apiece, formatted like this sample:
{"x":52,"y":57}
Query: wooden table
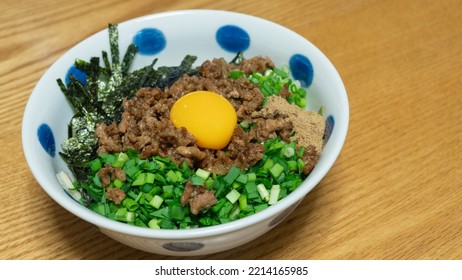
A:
{"x":395,"y":191}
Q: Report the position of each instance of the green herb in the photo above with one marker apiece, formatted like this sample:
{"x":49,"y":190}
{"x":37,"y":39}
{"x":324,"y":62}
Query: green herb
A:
{"x":155,"y":186}
{"x":272,"y":82}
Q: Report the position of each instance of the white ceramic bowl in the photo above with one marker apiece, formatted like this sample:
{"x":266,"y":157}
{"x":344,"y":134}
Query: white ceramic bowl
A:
{"x":206,"y":34}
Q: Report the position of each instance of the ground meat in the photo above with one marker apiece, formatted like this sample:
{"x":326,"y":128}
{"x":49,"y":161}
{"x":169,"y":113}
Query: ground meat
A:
{"x":109,"y":138}
{"x":116,"y":195}
{"x":109,"y":173}
{"x":310,"y":158}
{"x":242,"y":147}
{"x":192,"y":152}
{"x":198,"y":198}
{"x":272,"y":126}
{"x":218,"y":162}
{"x":256,"y":64}
{"x":244,"y":96}
{"x":219,"y":68}
{"x":146,"y":127}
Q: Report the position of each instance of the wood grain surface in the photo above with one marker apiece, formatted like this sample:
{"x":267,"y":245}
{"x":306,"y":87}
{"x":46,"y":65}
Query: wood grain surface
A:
{"x":395,"y":191}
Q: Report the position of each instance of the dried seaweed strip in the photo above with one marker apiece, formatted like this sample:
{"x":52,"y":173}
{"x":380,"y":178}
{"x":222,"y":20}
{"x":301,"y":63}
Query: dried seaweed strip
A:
{"x":114,"y":44}
{"x":107,"y":65}
{"x":237,"y":60}
{"x":101,"y":99}
{"x":168,"y":75}
{"x":128,"y":58}
{"x":76,"y":94}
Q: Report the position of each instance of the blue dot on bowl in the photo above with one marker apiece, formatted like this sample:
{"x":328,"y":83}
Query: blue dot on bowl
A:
{"x":46,"y":139}
{"x":302,"y":69}
{"x":149,"y":41}
{"x":232,"y":38}
{"x":78,"y":74}
{"x":183,"y":246}
{"x":329,"y":127}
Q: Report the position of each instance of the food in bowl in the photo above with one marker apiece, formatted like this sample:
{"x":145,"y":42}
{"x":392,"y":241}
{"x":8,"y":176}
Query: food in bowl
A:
{"x":186,"y":147}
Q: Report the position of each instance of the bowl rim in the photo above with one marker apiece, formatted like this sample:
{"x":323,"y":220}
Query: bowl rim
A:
{"x":338,"y":135}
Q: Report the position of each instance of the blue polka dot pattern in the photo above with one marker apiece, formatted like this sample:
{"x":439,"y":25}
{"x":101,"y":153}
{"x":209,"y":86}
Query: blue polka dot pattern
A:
{"x":302,"y":69}
{"x":46,"y":139}
{"x":78,"y":74}
{"x":183,"y":246}
{"x":149,"y":41}
{"x":233,"y":38}
{"x":329,"y":127}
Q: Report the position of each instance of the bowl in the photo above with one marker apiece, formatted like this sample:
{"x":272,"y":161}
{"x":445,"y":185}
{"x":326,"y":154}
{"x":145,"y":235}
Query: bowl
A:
{"x":170,"y":36}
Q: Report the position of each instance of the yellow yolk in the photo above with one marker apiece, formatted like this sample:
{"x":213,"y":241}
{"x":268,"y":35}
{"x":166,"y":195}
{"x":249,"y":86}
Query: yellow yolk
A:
{"x":208,"y":116}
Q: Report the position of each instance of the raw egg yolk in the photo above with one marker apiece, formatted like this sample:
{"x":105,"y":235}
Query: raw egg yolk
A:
{"x":208,"y":116}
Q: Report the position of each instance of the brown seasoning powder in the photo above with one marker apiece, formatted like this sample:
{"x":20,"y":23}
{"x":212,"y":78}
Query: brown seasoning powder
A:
{"x":308,"y":125}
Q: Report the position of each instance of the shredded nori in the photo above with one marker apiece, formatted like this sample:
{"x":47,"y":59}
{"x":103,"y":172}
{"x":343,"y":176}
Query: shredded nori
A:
{"x":100,"y":100}
{"x":238,"y":58}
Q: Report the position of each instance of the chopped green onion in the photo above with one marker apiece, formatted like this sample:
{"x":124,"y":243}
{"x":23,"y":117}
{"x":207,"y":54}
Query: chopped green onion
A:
{"x":300,"y":164}
{"x":154,"y":190}
{"x":162,"y":213}
{"x":130,"y":204}
{"x":167,"y":224}
{"x":202,"y":173}
{"x":264,"y":194}
{"x":177,"y":212}
{"x":250,"y":187}
{"x":274,"y":194}
{"x":117,"y":163}
{"x":268,"y":164}
{"x":243,"y":202}
{"x":150,"y":178}
{"x":244,"y":124}
{"x":118,"y":183}
{"x":140,"y":223}
{"x":97,"y":181}
{"x":217,"y":207}
{"x":233,"y":196}
{"x":68,"y":186}
{"x":99,"y":208}
{"x":232,"y":175}
{"x":292,"y":165}
{"x":122,"y":157}
{"x":156,"y":201}
{"x":276,"y":170}
{"x":242,"y":178}
{"x":234,"y":212}
{"x":124,"y":215}
{"x":95,"y":165}
{"x":224,"y":211}
{"x":107,"y":158}
{"x":251,"y":177}
{"x":172,"y":176}
{"x":260,"y":207}
{"x":235,"y":74}
{"x":154,"y":223}
{"x":197,"y":181}
{"x":140,"y":180}
{"x":131,"y":170}
{"x":236,"y":185}
{"x":168,"y":191}
{"x":289,"y":152}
